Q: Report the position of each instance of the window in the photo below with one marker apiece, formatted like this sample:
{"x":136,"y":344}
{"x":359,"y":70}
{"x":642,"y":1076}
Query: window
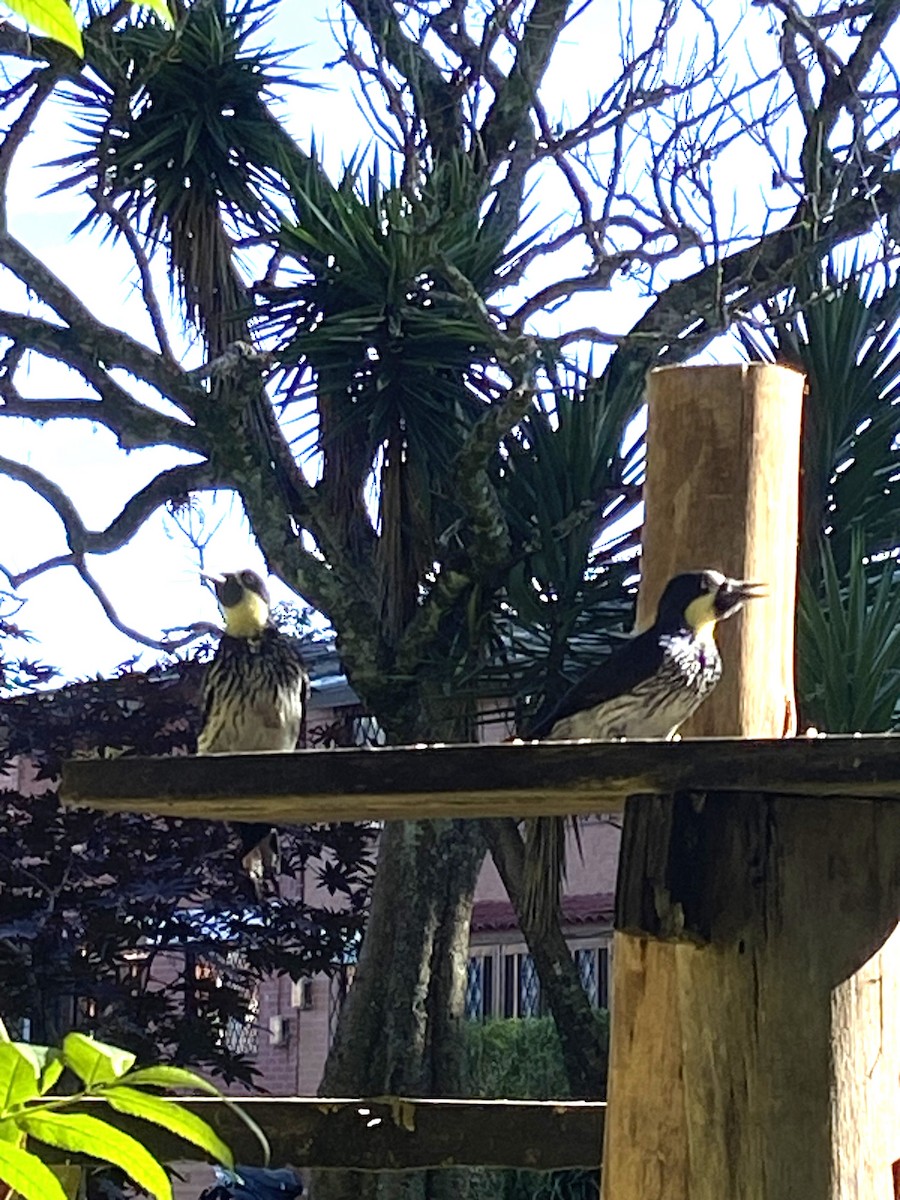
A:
{"x":242,"y":1036}
{"x":480,"y":988}
{"x":593,"y":968}
{"x":521,"y":989}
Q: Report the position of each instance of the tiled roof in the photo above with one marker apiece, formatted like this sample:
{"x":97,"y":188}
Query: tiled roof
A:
{"x":489,"y":915}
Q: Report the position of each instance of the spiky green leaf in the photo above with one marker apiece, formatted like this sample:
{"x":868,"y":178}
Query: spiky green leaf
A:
{"x":160,"y":8}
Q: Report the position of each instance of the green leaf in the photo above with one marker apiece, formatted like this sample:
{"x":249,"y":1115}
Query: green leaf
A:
{"x":170,"y":1077}
{"x":94,"y":1062}
{"x":27,"y":1175}
{"x":170,"y":1115}
{"x":51,"y":1073}
{"x":160,"y":7}
{"x":9,"y":1131}
{"x":81,"y":1134}
{"x":53,"y":17}
{"x":18,"y":1077}
{"x":46,"y":1060}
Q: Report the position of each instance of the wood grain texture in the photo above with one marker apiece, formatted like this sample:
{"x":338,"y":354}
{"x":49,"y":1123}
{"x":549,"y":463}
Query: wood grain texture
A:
{"x":518,"y":780}
{"x":723,"y":460}
{"x":783,"y":1002}
{"x":721,"y":491}
{"x":390,"y":1133}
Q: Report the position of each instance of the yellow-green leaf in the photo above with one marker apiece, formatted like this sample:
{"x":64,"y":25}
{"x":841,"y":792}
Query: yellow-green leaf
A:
{"x":18,"y":1077}
{"x":81,"y":1134}
{"x":27,"y":1175}
{"x":170,"y":1077}
{"x":94,"y":1062}
{"x":171,"y":1116}
{"x":53,"y":17}
{"x":51,"y":1073}
{"x":160,"y":7}
{"x":9,"y":1131}
{"x":46,"y":1061}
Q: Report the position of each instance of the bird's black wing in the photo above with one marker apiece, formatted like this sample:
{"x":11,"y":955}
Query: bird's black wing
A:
{"x":625,"y":668}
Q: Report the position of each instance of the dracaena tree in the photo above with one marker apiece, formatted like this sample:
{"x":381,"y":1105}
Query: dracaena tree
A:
{"x":398,"y":383}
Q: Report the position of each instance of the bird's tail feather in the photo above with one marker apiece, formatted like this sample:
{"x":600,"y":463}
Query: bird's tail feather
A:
{"x":545,"y":864}
{"x":260,"y":854}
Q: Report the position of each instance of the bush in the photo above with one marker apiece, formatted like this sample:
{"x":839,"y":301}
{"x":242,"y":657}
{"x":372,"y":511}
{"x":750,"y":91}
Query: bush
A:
{"x":522,"y":1060}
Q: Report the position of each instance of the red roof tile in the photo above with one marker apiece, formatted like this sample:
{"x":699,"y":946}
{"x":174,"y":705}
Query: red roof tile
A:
{"x":577,"y":910}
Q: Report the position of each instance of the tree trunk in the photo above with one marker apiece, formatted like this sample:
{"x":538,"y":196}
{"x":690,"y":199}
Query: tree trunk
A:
{"x":584,"y":1055}
{"x":399,"y":1031}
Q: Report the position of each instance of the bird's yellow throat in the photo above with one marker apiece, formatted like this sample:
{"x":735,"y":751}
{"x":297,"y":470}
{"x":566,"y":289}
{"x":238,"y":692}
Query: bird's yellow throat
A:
{"x":248,"y":617}
{"x":700,"y":614}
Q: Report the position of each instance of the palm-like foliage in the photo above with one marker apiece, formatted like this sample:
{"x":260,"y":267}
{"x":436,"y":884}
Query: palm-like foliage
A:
{"x":848,"y":650}
{"x":846,"y":336}
{"x":382,"y":322}
{"x":177,"y":142}
{"x":566,"y":486}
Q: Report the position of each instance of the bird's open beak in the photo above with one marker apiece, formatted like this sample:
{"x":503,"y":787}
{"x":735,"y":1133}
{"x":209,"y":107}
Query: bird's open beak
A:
{"x":734,"y":593}
{"x":219,"y":583}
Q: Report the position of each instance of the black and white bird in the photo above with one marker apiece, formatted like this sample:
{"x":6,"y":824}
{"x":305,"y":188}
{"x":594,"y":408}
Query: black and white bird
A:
{"x":254,"y":696}
{"x":646,"y":689}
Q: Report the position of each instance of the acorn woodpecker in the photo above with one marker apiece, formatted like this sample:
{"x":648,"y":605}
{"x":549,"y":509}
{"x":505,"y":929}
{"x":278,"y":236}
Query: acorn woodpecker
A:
{"x":254,"y":696}
{"x":646,"y":689}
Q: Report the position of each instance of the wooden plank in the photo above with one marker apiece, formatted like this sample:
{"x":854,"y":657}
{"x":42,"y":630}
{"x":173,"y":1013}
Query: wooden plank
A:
{"x":520,"y":780}
{"x":390,"y":1134}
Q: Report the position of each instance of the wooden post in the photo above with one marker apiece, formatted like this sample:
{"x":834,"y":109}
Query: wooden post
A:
{"x":723,"y":1075}
{"x":721,"y":491}
{"x":722,"y":487}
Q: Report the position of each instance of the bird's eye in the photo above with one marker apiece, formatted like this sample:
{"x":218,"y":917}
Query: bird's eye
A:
{"x":248,"y":579}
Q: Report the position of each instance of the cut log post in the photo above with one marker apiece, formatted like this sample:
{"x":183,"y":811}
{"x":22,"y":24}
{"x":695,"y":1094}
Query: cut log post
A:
{"x":755,"y":1051}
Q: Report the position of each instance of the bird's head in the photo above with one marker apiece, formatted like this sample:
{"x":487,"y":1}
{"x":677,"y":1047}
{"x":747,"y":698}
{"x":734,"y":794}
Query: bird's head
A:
{"x":698,"y":599}
{"x":244,"y":601}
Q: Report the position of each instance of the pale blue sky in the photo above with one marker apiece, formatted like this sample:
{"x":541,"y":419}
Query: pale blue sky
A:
{"x":153,"y":582}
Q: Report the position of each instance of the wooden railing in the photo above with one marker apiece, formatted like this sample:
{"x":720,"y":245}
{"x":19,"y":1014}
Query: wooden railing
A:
{"x":775,"y":855}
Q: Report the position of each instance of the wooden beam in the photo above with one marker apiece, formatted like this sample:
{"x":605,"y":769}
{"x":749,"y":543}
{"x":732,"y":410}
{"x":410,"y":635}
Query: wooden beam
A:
{"x":519,"y":780}
{"x":389,"y":1134}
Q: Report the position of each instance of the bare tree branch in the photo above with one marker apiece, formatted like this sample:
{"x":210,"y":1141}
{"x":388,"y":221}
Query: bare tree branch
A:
{"x":135,"y":424}
{"x":90,"y":337}
{"x":434,"y":98}
{"x":173,"y":485}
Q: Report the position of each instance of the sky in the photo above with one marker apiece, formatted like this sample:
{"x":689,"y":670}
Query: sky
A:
{"x":154,"y":582}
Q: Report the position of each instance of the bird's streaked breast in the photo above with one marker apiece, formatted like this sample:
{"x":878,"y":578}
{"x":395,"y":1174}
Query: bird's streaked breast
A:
{"x":255,"y":690}
{"x":657,"y":706}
